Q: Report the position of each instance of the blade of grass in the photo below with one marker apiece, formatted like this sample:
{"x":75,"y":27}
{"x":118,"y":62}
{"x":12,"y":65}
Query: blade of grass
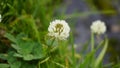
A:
{"x":62,"y":66}
{"x":85,"y":14}
{"x":108,"y":65}
{"x":85,"y":47}
{"x":87,"y":61}
{"x":45,"y":60}
{"x":101,"y":55}
{"x":116,"y":65}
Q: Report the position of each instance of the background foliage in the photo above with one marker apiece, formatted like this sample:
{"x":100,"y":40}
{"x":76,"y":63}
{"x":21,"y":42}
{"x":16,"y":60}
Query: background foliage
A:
{"x":24,"y":42}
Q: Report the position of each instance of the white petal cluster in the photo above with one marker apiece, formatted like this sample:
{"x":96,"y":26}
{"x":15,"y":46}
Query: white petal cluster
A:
{"x":0,"y":18}
{"x":59,"y":29}
{"x":98,"y":27}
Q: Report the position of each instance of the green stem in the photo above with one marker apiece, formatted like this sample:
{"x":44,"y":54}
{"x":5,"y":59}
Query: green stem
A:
{"x":39,"y":64}
{"x":73,"y":56}
{"x":92,"y":48}
{"x":48,"y":52}
{"x":73,"y":51}
{"x":50,"y":46}
{"x":92,"y":42}
{"x":52,"y":42}
{"x":43,"y":61}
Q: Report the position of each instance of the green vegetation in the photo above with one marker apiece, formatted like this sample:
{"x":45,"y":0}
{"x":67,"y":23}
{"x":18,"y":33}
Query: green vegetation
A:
{"x":24,"y":42}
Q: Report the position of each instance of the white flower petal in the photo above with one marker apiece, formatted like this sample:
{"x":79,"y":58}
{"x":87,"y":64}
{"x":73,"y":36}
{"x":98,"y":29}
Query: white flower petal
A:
{"x":98,"y":27}
{"x":59,"y":29}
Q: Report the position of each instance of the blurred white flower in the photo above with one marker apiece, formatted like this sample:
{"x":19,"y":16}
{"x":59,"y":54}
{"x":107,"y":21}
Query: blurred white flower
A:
{"x":0,"y":18}
{"x":98,"y":27}
{"x":59,"y":29}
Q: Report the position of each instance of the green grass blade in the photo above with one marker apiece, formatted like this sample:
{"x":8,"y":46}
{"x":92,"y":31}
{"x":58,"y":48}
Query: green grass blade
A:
{"x":101,"y":55}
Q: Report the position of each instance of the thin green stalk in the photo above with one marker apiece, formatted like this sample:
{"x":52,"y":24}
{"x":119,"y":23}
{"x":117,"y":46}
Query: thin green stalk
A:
{"x":45,"y":60}
{"x":47,"y":63}
{"x":52,"y":42}
{"x":75,"y":15}
{"x":92,"y":48}
{"x":39,"y":65}
{"x":73,"y":51}
{"x":58,"y":64}
{"x":48,"y":53}
{"x":50,"y":46}
{"x":92,"y":41}
{"x":73,"y":56}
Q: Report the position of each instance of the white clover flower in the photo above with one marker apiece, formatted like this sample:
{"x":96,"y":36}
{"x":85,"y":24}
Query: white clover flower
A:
{"x":59,"y":29}
{"x":98,"y":27}
{"x":0,"y":18}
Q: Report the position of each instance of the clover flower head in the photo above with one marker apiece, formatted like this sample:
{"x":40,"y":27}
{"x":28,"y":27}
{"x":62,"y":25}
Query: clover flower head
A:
{"x":0,"y":18}
{"x":98,"y":27}
{"x":59,"y":29}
